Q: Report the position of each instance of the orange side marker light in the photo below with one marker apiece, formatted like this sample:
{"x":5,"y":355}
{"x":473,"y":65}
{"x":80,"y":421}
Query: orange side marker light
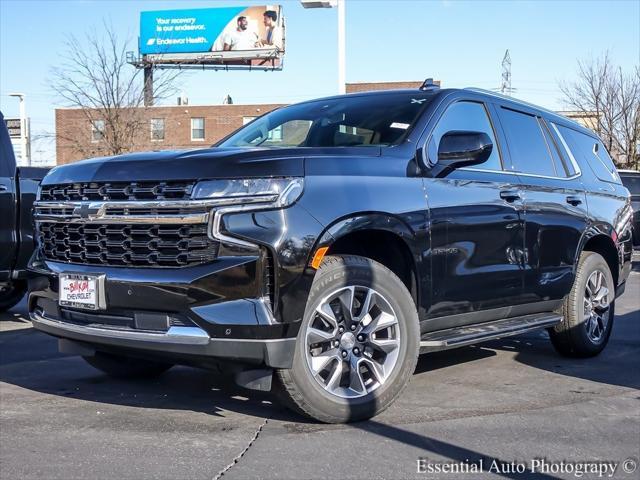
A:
{"x":317,"y":258}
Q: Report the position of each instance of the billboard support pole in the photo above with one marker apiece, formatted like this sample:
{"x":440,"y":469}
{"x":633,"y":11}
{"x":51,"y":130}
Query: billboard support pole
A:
{"x":148,"y":86}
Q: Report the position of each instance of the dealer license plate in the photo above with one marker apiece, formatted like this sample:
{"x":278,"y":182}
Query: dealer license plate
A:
{"x":82,"y":291}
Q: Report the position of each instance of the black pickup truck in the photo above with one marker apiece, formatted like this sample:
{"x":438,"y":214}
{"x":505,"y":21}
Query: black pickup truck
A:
{"x":18,"y":188}
{"x":323,"y":246}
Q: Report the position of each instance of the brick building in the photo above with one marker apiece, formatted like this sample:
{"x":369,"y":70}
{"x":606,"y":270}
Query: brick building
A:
{"x":171,"y":127}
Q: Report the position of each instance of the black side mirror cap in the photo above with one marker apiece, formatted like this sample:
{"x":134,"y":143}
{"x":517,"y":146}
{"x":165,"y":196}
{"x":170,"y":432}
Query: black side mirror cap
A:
{"x":463,"y":148}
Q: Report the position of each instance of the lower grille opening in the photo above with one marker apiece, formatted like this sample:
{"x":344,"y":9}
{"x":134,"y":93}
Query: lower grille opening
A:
{"x":116,"y":319}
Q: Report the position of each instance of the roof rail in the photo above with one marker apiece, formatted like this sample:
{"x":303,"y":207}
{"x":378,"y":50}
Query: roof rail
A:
{"x":522,"y":102}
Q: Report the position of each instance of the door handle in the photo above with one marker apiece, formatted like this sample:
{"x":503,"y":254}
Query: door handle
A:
{"x":573,"y":200}
{"x":3,"y":188}
{"x":510,"y":195}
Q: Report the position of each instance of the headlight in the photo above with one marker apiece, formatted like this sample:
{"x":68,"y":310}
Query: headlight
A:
{"x":276,"y":192}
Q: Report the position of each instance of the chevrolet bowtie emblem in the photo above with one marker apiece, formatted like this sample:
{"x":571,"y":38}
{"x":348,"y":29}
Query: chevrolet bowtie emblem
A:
{"x":86,"y":211}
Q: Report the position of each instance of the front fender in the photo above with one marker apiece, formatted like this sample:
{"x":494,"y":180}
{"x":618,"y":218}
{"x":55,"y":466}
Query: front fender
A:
{"x":366,"y":221}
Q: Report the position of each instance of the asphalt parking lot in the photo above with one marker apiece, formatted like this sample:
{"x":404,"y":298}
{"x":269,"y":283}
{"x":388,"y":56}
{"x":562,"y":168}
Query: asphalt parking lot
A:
{"x":512,"y":400}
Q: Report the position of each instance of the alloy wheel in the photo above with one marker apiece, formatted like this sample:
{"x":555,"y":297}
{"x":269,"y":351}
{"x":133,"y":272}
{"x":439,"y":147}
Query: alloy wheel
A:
{"x":597,"y":306}
{"x":352,"y":341}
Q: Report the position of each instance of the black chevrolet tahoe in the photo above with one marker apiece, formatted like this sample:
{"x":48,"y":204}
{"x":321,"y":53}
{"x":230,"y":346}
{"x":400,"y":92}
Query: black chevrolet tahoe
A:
{"x":321,"y":248}
{"x":18,"y":188}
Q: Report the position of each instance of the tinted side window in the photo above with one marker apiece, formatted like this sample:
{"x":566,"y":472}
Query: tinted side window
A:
{"x":470,"y":116}
{"x":590,"y":150}
{"x":562,"y":167}
{"x":529,"y":150}
{"x":7,"y":160}
{"x":632,"y":182}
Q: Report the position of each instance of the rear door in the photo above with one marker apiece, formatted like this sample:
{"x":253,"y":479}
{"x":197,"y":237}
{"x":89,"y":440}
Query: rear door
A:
{"x":555,"y":205}
{"x":7,"y":203}
{"x":476,"y":229}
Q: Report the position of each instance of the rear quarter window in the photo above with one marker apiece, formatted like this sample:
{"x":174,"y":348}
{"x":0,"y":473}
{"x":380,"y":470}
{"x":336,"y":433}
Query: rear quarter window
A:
{"x":590,"y":150}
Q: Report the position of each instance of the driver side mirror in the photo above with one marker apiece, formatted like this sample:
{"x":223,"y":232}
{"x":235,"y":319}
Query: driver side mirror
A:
{"x":463,"y":148}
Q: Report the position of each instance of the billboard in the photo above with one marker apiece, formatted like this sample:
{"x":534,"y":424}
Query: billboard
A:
{"x":210,"y":35}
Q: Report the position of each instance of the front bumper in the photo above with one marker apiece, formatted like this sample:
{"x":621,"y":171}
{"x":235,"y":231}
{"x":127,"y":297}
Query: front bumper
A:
{"x":213,"y":312}
{"x":183,"y":341}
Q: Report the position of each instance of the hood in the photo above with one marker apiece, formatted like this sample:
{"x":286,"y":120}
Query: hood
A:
{"x":194,"y":164}
{"x":181,"y":165}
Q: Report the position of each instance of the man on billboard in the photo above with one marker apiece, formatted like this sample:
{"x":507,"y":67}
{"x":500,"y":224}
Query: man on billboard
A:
{"x":273,"y":32}
{"x":241,"y":38}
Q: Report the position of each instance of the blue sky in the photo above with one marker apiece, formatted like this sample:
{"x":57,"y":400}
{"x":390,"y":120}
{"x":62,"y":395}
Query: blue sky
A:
{"x":459,"y":42}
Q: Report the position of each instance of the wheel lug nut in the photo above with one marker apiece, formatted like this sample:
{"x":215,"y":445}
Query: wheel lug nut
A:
{"x":356,"y":351}
{"x":353,"y":327}
{"x":341,"y":329}
{"x":336,"y":343}
{"x":344,"y":354}
{"x":360,"y":338}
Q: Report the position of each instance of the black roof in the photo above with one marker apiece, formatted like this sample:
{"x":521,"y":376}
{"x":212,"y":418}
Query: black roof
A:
{"x":443,"y":92}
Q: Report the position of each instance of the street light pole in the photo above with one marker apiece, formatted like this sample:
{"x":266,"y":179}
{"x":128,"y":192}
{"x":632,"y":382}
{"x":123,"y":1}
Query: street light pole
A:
{"x":340,"y":4}
{"x":342,"y":87}
{"x":23,"y":129}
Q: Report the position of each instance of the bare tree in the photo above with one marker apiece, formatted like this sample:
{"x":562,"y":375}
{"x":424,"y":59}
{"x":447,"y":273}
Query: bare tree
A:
{"x":96,"y":79}
{"x":610,"y":99}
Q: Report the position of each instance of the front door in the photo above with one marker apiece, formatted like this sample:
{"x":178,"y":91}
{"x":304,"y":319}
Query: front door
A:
{"x":476,"y":230}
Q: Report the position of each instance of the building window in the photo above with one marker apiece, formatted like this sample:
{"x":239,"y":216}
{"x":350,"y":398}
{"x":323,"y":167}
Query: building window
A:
{"x":275,"y":135}
{"x":97,"y":130}
{"x":157,"y":129}
{"x":197,"y":129}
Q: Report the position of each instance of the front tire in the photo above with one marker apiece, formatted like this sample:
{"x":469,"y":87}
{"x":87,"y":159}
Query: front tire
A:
{"x":11,"y":294}
{"x":119,"y":366}
{"x":588,"y":310}
{"x":358,"y":343}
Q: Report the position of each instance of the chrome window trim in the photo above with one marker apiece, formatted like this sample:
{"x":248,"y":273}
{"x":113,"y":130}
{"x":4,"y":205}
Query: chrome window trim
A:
{"x":573,"y":177}
{"x":572,"y":159}
{"x":546,"y":142}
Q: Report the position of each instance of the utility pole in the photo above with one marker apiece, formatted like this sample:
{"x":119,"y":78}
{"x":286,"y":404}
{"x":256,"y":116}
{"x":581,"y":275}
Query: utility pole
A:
{"x":505,"y":87}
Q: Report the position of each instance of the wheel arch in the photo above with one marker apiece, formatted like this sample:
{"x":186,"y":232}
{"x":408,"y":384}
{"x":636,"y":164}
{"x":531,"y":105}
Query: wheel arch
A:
{"x":382,"y":237}
{"x":602,"y":244}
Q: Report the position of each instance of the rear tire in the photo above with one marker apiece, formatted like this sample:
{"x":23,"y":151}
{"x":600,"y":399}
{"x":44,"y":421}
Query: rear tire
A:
{"x":11,"y":294}
{"x":119,"y":366}
{"x":588,"y":310}
{"x":372,"y":346}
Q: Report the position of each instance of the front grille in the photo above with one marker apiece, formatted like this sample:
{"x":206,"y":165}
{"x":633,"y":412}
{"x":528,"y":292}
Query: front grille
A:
{"x":126,"y":245}
{"x":110,"y":191}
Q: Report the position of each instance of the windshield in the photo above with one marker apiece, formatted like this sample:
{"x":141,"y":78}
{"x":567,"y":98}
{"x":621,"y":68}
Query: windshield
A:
{"x":350,"y":121}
